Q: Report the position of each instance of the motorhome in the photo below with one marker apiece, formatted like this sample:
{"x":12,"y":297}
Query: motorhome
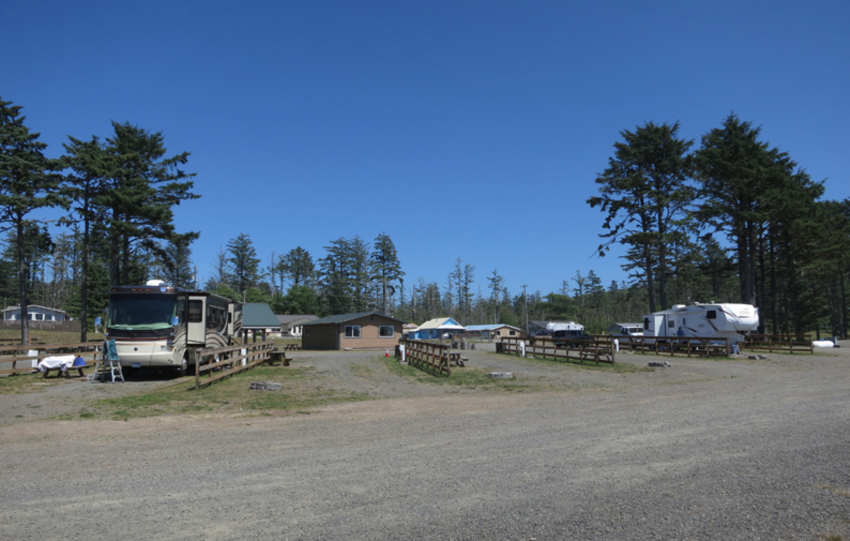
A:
{"x":730,"y":321}
{"x":157,"y":325}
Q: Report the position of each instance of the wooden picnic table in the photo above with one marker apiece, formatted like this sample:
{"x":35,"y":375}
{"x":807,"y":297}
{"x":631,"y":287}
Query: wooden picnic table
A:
{"x":454,"y":357}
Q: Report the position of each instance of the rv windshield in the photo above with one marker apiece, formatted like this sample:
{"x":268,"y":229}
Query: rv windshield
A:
{"x":141,"y":312}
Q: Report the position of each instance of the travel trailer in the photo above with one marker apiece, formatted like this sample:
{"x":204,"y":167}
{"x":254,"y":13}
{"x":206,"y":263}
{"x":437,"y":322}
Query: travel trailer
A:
{"x":730,"y":321}
{"x":157,"y":325}
{"x":563,"y":326}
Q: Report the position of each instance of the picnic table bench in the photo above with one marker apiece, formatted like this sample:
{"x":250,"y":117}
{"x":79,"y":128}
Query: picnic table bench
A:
{"x":279,"y":355}
{"x":454,"y":357}
{"x":63,"y":369}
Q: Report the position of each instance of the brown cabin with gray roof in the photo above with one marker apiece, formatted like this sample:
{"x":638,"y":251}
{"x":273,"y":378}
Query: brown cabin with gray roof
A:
{"x":363,"y":330}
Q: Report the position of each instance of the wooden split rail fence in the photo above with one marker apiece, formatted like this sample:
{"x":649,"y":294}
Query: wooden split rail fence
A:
{"x":690,"y":345}
{"x":599,"y":350}
{"x":779,"y":342}
{"x":428,"y":357}
{"x":219,"y":363}
{"x":24,"y":359}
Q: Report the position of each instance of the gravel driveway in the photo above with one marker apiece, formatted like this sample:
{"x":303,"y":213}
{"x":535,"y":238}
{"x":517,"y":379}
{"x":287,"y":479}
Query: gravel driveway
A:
{"x":701,"y":450}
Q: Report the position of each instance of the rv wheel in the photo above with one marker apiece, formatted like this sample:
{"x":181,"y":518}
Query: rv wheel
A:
{"x":184,"y":367}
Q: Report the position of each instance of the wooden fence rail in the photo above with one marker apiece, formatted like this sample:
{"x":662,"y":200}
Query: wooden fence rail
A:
{"x":779,"y":342}
{"x":219,"y":363}
{"x":599,"y":350}
{"x":427,"y":356}
{"x":24,"y":359}
{"x":704,"y":346}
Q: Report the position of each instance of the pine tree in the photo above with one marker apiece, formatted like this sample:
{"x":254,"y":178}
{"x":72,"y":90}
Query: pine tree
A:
{"x":386,"y":269}
{"x":27,"y":183}
{"x":645,"y":194}
{"x":244,"y":263}
{"x":735,"y":168}
{"x":143,"y":188}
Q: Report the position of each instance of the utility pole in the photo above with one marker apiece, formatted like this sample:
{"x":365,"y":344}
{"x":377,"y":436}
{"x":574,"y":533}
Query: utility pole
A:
{"x":525,"y":300}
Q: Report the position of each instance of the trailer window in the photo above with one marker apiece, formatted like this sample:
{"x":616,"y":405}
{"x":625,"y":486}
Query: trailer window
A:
{"x":646,"y":323}
{"x":196,"y":313}
{"x":711,"y":314}
{"x":215,"y":317}
{"x":671,"y":323}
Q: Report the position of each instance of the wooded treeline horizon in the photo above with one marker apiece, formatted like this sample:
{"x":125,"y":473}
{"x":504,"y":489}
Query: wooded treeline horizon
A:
{"x":788,"y":251}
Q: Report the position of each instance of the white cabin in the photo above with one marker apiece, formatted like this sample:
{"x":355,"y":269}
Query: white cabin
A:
{"x":730,"y":321}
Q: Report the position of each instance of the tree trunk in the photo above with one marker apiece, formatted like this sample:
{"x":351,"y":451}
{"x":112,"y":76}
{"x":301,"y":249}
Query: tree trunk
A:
{"x":843,"y":310}
{"x":22,"y":280}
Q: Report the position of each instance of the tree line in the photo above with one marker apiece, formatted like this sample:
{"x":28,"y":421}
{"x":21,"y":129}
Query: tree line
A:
{"x":666,"y":204}
{"x":672,"y":209}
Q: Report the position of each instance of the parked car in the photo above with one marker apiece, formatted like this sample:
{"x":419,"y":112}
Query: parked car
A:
{"x":569,"y":337}
{"x":626,"y":329}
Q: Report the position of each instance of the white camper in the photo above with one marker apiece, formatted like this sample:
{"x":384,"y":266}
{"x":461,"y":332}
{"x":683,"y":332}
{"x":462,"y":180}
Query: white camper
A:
{"x":563,"y":326}
{"x":730,"y":321}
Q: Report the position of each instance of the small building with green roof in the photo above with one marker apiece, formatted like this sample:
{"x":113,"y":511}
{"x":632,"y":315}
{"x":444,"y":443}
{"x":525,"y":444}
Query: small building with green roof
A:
{"x":258,"y":318}
{"x":362,"y":330}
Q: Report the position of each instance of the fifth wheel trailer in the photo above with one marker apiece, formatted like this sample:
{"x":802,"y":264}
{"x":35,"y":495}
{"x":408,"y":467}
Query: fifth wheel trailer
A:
{"x":730,"y":321}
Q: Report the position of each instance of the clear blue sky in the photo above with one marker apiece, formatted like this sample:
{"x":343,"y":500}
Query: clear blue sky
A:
{"x":461,"y":129}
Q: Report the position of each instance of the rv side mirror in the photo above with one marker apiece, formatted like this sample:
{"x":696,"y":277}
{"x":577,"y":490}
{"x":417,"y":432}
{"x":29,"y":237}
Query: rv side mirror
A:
{"x":175,"y":321}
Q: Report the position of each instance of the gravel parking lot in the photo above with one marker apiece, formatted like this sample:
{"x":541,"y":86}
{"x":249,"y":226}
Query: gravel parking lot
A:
{"x":705,"y":449}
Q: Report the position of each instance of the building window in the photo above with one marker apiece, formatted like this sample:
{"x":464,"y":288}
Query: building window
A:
{"x":512,"y":333}
{"x":386,"y":331}
{"x":352,"y":331}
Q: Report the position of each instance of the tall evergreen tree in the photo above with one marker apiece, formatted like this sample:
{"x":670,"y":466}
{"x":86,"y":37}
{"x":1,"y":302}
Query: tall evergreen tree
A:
{"x":297,"y":267}
{"x":175,"y":261}
{"x":735,"y":169}
{"x":244,"y":263}
{"x":27,"y":183}
{"x":386,"y":269}
{"x":86,"y":186}
{"x":336,"y":270}
{"x":495,"y":285}
{"x":144,"y":186}
{"x":645,"y":194}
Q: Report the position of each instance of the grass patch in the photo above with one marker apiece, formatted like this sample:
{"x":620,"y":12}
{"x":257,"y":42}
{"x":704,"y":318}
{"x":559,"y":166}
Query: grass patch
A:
{"x":616,"y":368}
{"x":469,"y":377}
{"x":298,"y":394}
{"x":361,"y":370}
{"x":27,"y":383}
